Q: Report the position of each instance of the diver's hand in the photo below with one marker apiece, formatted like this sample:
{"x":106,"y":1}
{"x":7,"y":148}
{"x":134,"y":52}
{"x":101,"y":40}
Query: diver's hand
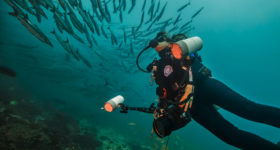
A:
{"x":123,"y":108}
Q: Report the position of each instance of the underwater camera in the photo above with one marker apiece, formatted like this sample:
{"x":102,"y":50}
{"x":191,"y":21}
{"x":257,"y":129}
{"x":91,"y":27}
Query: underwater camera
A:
{"x":113,"y":103}
{"x":172,"y":120}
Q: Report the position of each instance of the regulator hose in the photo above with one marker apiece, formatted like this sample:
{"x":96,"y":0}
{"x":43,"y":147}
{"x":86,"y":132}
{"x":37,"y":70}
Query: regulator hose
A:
{"x":137,"y":60}
{"x":152,"y":44}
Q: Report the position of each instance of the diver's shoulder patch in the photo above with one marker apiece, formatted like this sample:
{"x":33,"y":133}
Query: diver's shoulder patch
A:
{"x":167,"y":70}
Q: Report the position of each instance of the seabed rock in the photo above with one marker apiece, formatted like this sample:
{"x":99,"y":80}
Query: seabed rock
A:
{"x":111,"y":140}
{"x":27,"y":124}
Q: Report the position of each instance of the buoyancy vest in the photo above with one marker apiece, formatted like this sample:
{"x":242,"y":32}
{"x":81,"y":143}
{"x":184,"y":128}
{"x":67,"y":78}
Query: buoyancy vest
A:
{"x":172,"y":75}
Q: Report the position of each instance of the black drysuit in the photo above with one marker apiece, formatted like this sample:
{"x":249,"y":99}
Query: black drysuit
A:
{"x":209,"y":91}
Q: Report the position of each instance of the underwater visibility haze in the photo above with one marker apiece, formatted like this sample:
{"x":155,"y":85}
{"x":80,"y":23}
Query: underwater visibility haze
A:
{"x":62,"y":60}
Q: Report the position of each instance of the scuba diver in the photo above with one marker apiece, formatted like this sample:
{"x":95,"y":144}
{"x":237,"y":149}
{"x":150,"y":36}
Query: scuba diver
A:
{"x":187,"y":90}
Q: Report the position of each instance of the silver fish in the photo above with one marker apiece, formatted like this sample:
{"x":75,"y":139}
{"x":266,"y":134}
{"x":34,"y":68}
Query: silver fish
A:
{"x":121,"y":44}
{"x":161,"y":12}
{"x":177,"y":19}
{"x":196,"y":13}
{"x":14,"y":6}
{"x":186,"y":24}
{"x":73,"y":3}
{"x":99,"y":17}
{"x":158,"y":6}
{"x":99,"y":6}
{"x":107,"y":16}
{"x":85,"y":17}
{"x":61,"y":23}
{"x":32,"y":28}
{"x":93,"y":39}
{"x":78,"y":38}
{"x":113,"y":37}
{"x":131,"y":47}
{"x":151,"y":10}
{"x":114,"y":7}
{"x":62,"y":42}
{"x":68,"y":25}
{"x":133,"y":3}
{"x":124,"y":4}
{"x":94,"y":24}
{"x":62,"y":4}
{"x":88,"y":37}
{"x":50,"y":4}
{"x":144,"y":5}
{"x":183,"y":7}
{"x":84,"y":60}
{"x":124,"y":36}
{"x":76,"y":22}
{"x":37,"y":8}
{"x":121,"y":16}
{"x":24,"y":5}
{"x":103,"y":32}
{"x":73,"y":52}
{"x":141,"y":22}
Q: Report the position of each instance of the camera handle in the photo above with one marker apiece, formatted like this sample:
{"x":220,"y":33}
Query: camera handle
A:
{"x":125,"y":108}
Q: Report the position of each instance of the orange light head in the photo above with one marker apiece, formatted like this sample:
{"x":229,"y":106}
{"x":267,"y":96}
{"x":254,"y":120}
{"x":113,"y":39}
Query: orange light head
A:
{"x":176,"y":51}
{"x":108,"y":107}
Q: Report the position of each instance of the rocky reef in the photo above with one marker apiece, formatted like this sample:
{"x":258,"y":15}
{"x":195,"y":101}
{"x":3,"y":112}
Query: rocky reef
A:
{"x":29,"y":124}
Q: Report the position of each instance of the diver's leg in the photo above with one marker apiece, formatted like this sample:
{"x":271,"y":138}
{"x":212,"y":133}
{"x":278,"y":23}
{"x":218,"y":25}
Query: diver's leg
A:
{"x":221,"y":95}
{"x":208,"y":117}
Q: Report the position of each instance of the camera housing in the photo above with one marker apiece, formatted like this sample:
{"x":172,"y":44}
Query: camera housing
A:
{"x":172,"y":120}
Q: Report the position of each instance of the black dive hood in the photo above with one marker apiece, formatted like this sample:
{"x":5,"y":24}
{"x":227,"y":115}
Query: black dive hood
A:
{"x":161,"y":36}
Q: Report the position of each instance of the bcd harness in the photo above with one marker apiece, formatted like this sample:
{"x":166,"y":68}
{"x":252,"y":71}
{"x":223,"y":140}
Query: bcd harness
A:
{"x":175,"y":90}
{"x":179,"y":90}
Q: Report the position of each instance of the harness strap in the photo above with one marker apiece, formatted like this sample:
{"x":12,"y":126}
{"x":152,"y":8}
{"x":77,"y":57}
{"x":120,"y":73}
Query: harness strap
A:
{"x":188,"y":104}
{"x":189,"y":89}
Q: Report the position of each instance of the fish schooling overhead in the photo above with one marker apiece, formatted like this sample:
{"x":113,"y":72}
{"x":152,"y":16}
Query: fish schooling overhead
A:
{"x":100,"y":21}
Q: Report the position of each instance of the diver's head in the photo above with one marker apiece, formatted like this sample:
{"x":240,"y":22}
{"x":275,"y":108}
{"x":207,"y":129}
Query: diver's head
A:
{"x":160,"y":41}
{"x":179,"y":37}
{"x":179,"y":46}
{"x":163,"y":36}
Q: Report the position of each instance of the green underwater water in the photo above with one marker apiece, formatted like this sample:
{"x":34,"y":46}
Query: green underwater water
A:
{"x":241,"y":46}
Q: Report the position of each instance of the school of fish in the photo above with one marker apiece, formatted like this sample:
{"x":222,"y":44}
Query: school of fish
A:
{"x":86,"y":27}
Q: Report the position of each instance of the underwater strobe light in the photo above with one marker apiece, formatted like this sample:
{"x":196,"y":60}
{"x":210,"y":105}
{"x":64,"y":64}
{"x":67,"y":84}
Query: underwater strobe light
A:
{"x":113,"y":103}
{"x":185,"y":47}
